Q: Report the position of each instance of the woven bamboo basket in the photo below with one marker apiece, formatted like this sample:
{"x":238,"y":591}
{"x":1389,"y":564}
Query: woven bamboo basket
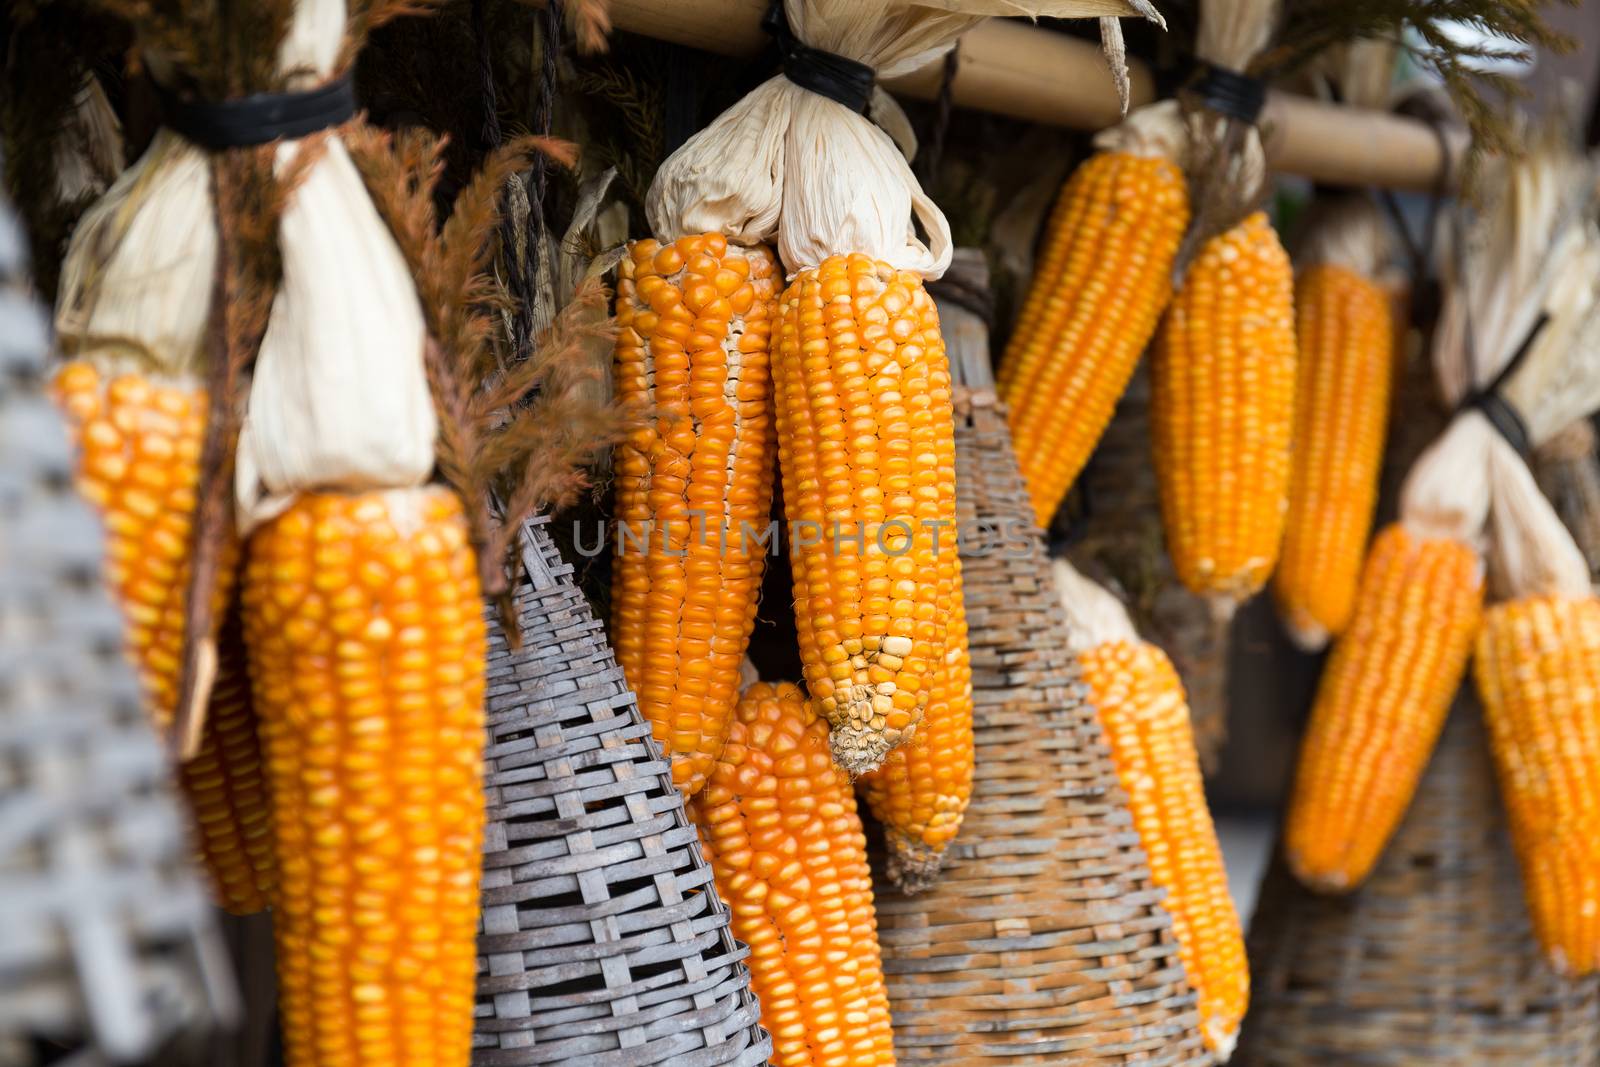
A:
{"x":602,"y":941}
{"x":1121,"y":519}
{"x":1043,"y":941}
{"x":106,"y":939}
{"x":1432,"y":961}
{"x":1568,"y":469}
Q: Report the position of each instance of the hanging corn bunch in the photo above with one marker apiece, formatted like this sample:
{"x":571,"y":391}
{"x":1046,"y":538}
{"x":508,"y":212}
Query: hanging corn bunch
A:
{"x":778,"y":821}
{"x":1223,"y":366}
{"x":1391,"y":677}
{"x":862,"y":387}
{"x":1102,"y":279}
{"x":695,"y":319}
{"x":1346,"y":333}
{"x":1142,"y":709}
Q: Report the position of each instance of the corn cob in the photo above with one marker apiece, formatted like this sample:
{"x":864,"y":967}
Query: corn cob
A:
{"x":139,"y":450}
{"x":1222,"y":408}
{"x":1346,"y":342}
{"x":778,"y":821}
{"x":1537,"y":663}
{"x":921,"y":791}
{"x":695,"y":322}
{"x":1140,"y":703}
{"x":1381,"y":703}
{"x":866,"y":439}
{"x":364,"y":625}
{"x":1103,"y":277}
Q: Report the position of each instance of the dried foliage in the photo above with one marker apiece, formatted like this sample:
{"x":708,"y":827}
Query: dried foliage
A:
{"x":630,"y":126}
{"x":515,"y":435}
{"x":1313,"y":26}
{"x":49,"y":51}
{"x":590,"y":22}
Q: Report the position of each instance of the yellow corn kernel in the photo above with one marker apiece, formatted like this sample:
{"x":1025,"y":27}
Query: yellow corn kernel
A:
{"x":694,"y":322}
{"x":1222,"y":410}
{"x":1346,"y":368}
{"x":1140,"y":702}
{"x":1538,"y":672}
{"x":371,"y":703}
{"x":1103,"y":277}
{"x":778,"y":821}
{"x":1381,"y":704}
{"x":139,"y":462}
{"x":866,"y":440}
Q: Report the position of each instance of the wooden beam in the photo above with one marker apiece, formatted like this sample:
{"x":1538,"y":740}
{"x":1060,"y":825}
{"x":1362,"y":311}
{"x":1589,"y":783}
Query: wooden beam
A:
{"x":1010,"y":68}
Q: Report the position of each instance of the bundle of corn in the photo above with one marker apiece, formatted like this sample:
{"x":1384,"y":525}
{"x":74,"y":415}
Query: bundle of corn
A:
{"x":1043,"y":941}
{"x":1568,"y":469}
{"x":600,"y":940}
{"x":861,"y":383}
{"x":105,"y":937}
{"x":1537,"y":655}
{"x":778,"y":821}
{"x":1392,"y":675}
{"x":1346,"y":336}
{"x":1142,"y":710}
{"x":361,"y":585}
{"x":1431,"y":960}
{"x":1223,"y":367}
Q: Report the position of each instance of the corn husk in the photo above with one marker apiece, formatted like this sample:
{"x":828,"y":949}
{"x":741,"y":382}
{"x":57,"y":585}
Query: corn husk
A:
{"x":1528,"y":254}
{"x":824,"y":180}
{"x":88,"y":158}
{"x":1568,"y":469}
{"x":1349,"y":232}
{"x":1094,"y":616}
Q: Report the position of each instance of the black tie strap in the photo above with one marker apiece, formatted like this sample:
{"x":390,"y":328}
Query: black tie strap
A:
{"x":840,"y":79}
{"x":1500,"y":412}
{"x":258,"y":119}
{"x":1228,"y":92}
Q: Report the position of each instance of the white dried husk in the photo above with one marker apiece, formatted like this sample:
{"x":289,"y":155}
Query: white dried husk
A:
{"x":1232,"y":34}
{"x":1094,"y":616}
{"x":87,"y":156}
{"x":1349,"y":232}
{"x":790,"y":163}
{"x":1529,"y":254}
{"x":339,"y":397}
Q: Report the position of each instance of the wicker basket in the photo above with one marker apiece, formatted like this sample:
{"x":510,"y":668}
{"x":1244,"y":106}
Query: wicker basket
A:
{"x":602,"y":941}
{"x":105,"y":933}
{"x":1432,"y":961}
{"x":1043,"y":941}
{"x":1121,"y":519}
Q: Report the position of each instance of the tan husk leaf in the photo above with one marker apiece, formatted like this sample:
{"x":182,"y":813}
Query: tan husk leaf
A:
{"x":1362,"y":72}
{"x":1094,"y":616}
{"x":788,"y":162}
{"x":1350,"y":232}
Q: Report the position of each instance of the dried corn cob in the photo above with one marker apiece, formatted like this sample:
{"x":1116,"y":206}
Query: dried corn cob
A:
{"x":1222,"y":410}
{"x":1346,"y":353}
{"x":366,"y":639}
{"x":695,"y":322}
{"x":866,"y":439}
{"x":779,"y":822}
{"x":1381,"y":704}
{"x":921,"y":791}
{"x":1536,"y":669}
{"x":1140,"y":702}
{"x":1103,"y":277}
{"x":139,"y":450}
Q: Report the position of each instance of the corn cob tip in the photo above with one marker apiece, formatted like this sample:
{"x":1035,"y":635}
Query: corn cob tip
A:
{"x":1221,"y":1036}
{"x":1223,"y":606}
{"x":1328,"y":882}
{"x":912,"y":865}
{"x":1306,"y":635}
{"x":858,"y":746}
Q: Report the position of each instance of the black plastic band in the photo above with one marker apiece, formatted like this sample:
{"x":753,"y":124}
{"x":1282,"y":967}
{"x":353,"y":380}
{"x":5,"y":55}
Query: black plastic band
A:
{"x":1228,"y":92}
{"x":1505,"y":418}
{"x":261,"y":118}
{"x":840,"y":79}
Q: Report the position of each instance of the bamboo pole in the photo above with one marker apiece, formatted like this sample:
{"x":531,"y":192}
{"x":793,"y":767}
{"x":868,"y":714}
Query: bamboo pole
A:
{"x":1010,"y":68}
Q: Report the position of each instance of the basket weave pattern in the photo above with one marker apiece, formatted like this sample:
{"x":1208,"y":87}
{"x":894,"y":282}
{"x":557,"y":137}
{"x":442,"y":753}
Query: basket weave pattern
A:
{"x":1432,"y":960}
{"x":602,"y":940}
{"x":1043,"y":941}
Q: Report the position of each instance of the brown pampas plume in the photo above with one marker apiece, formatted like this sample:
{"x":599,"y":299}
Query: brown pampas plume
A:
{"x":515,"y":435}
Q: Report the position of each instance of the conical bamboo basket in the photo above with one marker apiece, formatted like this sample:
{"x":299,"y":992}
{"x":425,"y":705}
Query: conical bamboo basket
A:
{"x":602,"y":942}
{"x":1432,"y":961}
{"x":1043,"y":941}
{"x":106,"y":938}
